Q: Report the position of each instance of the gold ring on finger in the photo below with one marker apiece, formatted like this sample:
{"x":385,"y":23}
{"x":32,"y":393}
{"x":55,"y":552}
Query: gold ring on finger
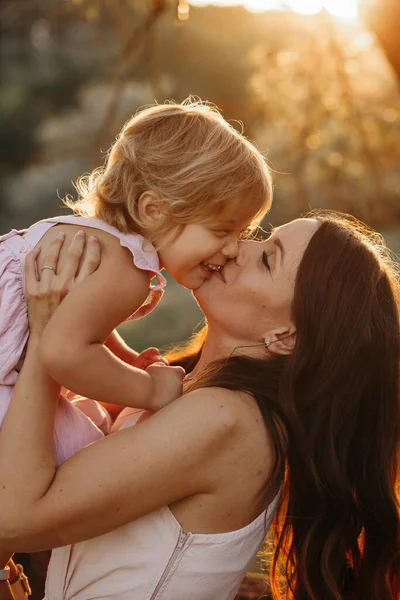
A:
{"x":48,"y":267}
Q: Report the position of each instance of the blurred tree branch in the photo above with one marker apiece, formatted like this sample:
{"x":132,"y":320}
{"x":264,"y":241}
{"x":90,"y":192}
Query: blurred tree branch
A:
{"x":140,"y":36}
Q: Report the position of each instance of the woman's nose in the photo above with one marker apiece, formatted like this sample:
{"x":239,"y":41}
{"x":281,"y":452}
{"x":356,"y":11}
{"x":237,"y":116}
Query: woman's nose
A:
{"x":245,"y":250}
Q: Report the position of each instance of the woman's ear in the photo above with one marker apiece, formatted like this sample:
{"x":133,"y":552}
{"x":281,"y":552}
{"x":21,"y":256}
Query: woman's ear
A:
{"x":149,"y":207}
{"x":281,"y":340}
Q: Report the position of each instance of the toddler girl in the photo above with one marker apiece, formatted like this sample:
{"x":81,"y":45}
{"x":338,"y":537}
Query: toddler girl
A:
{"x":179,"y":187}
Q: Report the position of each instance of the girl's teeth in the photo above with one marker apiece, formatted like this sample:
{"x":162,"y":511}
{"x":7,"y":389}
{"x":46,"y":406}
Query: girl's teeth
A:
{"x":212,"y":267}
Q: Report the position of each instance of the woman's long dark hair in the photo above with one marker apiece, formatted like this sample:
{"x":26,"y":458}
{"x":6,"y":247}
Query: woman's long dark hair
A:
{"x":333,"y":410}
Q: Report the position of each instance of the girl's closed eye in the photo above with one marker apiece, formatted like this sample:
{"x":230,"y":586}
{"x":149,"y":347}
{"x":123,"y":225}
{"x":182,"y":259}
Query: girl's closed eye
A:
{"x":246,"y":233}
{"x":241,"y":234}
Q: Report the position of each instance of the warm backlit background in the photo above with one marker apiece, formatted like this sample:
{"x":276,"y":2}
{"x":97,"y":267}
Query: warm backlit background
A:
{"x":315,"y":83}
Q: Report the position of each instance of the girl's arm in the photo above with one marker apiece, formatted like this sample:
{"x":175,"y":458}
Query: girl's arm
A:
{"x":140,"y":360}
{"x":117,"y":346}
{"x":147,"y":357}
{"x":73,"y":349}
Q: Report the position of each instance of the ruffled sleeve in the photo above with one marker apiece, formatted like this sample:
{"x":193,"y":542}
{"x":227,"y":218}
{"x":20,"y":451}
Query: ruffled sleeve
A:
{"x":14,"y":329}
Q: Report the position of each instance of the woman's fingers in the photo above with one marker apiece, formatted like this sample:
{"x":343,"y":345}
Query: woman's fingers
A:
{"x":70,"y":265}
{"x":50,"y":261}
{"x":44,"y":293}
{"x":79,"y":263}
{"x":41,"y":303}
{"x":91,"y":259}
{"x":31,"y":276}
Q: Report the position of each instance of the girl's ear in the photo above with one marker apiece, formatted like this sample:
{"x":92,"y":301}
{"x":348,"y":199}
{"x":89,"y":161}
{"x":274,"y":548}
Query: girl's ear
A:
{"x":149,"y":207}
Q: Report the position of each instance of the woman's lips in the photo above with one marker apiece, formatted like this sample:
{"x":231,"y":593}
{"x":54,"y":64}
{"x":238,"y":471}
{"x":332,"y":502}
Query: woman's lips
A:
{"x":219,"y":274}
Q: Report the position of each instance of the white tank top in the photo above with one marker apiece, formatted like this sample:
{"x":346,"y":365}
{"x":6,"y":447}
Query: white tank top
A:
{"x":152,"y":558}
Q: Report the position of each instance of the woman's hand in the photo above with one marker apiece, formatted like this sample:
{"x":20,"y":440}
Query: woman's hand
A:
{"x":46,"y":290}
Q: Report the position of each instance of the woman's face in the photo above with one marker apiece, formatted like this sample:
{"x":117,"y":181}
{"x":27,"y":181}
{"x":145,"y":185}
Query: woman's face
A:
{"x":254,"y":300}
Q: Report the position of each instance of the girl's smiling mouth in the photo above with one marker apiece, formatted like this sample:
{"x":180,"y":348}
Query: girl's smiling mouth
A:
{"x":210,"y":270}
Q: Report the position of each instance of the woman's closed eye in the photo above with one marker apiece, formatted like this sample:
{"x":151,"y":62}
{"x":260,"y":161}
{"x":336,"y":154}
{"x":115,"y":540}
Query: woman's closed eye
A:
{"x":265,"y":260}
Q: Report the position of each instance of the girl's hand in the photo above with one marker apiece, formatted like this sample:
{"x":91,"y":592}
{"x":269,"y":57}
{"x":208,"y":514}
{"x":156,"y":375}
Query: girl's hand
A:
{"x":148,"y":357}
{"x":167,"y":384}
{"x":46,"y":290}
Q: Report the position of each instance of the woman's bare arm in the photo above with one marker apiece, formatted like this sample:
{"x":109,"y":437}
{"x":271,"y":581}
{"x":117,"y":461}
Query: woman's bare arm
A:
{"x":111,"y":482}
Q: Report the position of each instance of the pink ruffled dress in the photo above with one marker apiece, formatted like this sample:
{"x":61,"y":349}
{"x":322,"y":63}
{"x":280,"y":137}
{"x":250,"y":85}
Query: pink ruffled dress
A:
{"x":78,"y":422}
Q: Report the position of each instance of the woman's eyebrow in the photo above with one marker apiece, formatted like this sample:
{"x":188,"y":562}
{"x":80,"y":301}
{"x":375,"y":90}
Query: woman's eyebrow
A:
{"x":279,"y":244}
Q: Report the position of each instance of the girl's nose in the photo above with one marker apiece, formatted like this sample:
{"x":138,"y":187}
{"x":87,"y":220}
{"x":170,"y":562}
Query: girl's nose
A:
{"x":231,"y":248}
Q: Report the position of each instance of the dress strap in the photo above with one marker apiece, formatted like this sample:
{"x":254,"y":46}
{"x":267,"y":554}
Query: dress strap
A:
{"x":34,"y":234}
{"x":21,"y":241}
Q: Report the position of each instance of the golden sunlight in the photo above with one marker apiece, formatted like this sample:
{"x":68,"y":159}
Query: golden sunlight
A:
{"x":343,"y":9}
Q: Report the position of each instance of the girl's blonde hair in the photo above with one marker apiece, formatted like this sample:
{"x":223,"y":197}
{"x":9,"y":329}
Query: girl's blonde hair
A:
{"x":194,"y":161}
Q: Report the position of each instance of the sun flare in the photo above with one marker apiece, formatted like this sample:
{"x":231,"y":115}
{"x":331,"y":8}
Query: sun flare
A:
{"x":343,"y":9}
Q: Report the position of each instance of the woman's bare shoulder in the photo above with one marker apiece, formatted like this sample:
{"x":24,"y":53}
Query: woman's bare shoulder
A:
{"x":232,"y":399}
{"x":244,"y":455}
{"x":234,"y":409}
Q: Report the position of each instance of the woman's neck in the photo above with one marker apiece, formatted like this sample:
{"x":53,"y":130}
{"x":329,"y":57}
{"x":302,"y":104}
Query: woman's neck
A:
{"x":217,"y":347}
{"x":213,"y":349}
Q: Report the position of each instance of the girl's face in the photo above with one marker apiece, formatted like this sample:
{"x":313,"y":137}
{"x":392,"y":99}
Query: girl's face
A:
{"x":200,"y":251}
{"x":253,"y":298}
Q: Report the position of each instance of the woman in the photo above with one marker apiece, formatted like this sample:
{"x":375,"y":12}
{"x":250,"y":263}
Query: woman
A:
{"x":304,"y":397}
